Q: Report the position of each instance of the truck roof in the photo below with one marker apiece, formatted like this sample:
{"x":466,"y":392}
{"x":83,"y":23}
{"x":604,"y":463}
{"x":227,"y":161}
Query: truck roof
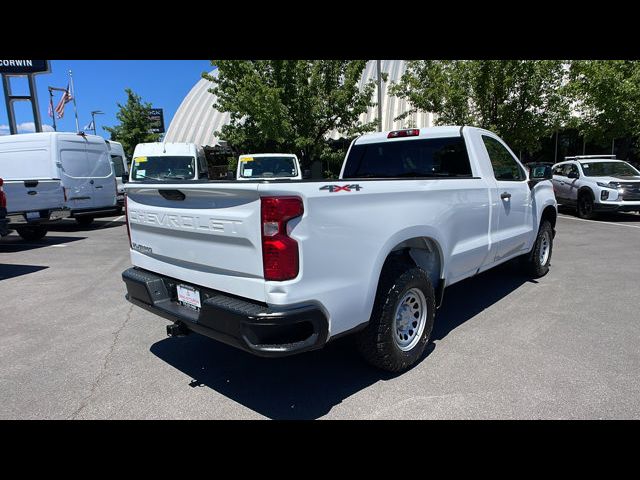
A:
{"x":168,"y":148}
{"x":39,"y":136}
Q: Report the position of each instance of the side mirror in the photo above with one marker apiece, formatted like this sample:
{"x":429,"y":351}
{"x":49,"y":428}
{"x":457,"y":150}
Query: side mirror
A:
{"x":125,"y":178}
{"x":573,"y":175}
{"x":306,"y":174}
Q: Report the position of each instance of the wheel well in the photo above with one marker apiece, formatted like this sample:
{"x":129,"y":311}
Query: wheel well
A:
{"x":586,"y":191}
{"x":422,"y":252}
{"x":549,"y":214}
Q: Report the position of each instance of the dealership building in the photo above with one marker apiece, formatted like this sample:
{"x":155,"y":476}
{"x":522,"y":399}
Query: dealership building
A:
{"x":197,"y":121}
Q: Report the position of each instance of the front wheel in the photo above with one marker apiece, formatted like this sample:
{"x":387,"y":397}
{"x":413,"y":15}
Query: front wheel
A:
{"x":401,"y":321}
{"x":585,"y":206}
{"x":32,"y":233}
{"x":537,"y":261}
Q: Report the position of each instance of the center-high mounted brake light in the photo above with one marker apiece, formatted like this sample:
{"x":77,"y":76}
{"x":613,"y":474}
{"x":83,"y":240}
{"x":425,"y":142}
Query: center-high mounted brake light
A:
{"x":411,"y":132}
{"x":279,"y":251}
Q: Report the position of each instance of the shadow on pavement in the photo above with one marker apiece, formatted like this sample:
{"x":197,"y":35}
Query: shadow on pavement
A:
{"x":464,"y":300}
{"x":70,"y":225}
{"x":309,"y":385}
{"x":14,"y":243}
{"x":11,"y":271}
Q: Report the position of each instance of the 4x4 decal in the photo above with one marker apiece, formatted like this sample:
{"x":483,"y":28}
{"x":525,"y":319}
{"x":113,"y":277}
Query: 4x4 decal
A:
{"x":340,"y":188}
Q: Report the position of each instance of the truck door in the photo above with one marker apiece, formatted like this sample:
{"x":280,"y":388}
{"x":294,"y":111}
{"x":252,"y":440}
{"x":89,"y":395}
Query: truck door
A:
{"x":513,"y":197}
{"x":570,"y":188}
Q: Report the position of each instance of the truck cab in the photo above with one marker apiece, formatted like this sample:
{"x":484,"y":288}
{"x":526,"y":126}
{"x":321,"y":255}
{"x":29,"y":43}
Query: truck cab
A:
{"x":268,"y":166}
{"x":168,"y":161}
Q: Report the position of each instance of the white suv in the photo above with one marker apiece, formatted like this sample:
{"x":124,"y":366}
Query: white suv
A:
{"x":597,"y":183}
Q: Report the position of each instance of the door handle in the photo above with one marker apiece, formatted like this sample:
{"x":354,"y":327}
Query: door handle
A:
{"x":99,"y":186}
{"x":505,"y":195}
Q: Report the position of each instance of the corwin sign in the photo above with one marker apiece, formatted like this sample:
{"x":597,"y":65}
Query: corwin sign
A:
{"x":23,"y":67}
{"x":157,"y":119}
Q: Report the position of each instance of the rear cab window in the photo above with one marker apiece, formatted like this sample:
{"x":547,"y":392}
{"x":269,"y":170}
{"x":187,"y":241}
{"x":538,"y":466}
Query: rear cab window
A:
{"x":419,"y":158}
{"x":165,"y":167}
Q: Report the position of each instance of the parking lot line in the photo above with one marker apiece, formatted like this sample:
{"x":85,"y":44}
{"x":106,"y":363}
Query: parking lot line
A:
{"x":114,"y":220}
{"x":596,"y":221}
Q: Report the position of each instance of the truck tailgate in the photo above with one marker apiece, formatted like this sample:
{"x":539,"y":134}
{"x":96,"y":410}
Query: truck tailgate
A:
{"x":204,"y":234}
{"x":31,"y":195}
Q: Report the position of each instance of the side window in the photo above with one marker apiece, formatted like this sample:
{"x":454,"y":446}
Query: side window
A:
{"x":118,"y":165}
{"x":572,"y":169}
{"x":559,"y":170}
{"x":504,"y":165}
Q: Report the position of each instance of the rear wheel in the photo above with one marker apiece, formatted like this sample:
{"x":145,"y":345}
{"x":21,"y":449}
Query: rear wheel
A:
{"x":585,"y":206}
{"x":32,"y":233}
{"x":84,"y":221}
{"x":401,"y":321}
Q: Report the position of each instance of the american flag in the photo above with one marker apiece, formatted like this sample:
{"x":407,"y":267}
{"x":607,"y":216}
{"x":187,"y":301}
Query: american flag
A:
{"x":66,"y":98}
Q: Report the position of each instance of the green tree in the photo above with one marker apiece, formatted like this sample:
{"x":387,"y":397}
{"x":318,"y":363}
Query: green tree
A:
{"x":135,"y":126}
{"x":290,"y":105}
{"x":606,"y":95}
{"x":520,"y":100}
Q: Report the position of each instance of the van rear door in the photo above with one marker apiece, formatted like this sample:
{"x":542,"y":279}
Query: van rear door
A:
{"x":75,"y":171}
{"x":101,"y":173}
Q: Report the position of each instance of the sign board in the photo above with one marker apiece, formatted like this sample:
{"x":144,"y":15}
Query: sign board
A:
{"x":23,"y":66}
{"x":157,"y":119}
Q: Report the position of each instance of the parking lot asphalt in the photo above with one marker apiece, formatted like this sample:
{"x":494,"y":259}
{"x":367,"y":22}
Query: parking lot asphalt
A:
{"x":565,"y":346}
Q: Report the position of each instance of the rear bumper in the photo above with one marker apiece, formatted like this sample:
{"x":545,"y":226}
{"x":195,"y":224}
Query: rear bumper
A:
{"x":96,"y":212}
{"x":245,"y":324}
{"x":42,"y":217}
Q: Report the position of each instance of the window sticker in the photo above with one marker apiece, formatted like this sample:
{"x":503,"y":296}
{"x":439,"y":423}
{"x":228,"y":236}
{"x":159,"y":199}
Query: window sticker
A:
{"x":247,"y":159}
{"x":138,"y":160}
{"x":248,"y":172}
{"x":141,"y":172}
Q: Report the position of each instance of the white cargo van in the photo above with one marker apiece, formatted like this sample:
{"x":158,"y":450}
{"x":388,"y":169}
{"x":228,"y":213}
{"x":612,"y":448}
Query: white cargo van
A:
{"x":79,"y":162}
{"x":272,"y":166}
{"x":33,"y":193}
{"x":120,"y":168}
{"x":168,"y":161}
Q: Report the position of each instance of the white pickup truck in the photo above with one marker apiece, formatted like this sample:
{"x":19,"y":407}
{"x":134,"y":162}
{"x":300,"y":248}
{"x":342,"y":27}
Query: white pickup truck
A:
{"x":280,"y":267}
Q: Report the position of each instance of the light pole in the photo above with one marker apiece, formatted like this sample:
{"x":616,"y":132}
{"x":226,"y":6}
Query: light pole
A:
{"x":93,"y":120}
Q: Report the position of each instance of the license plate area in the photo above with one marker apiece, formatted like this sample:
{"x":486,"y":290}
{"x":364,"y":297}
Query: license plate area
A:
{"x":188,"y":297}
{"x":33,"y":215}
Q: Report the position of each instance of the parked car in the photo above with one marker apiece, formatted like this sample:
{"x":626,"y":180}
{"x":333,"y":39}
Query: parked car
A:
{"x":32,"y":188}
{"x":597,"y":183}
{"x":537,"y":169}
{"x":120,"y":169}
{"x":168,"y":161}
{"x":277,"y":268}
{"x":268,"y":166}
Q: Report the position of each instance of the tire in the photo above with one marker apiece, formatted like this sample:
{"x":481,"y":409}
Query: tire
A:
{"x":84,"y":221}
{"x":584,"y":207}
{"x":538,"y":261}
{"x":380,"y":343}
{"x":32,"y":233}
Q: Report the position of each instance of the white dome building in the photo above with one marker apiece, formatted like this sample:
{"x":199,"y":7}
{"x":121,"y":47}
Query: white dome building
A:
{"x":196,"y":120}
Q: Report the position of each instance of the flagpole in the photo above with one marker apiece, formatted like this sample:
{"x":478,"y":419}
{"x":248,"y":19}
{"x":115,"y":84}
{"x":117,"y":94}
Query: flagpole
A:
{"x":53,"y":113}
{"x":73,"y":94}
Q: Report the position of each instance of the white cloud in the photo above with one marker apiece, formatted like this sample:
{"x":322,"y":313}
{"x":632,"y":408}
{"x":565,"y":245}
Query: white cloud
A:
{"x":25,"y":127}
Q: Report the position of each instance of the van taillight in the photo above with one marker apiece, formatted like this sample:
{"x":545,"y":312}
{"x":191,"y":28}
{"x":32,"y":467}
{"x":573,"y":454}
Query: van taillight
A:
{"x":279,"y":251}
{"x":126,"y":218}
{"x":3,"y":197}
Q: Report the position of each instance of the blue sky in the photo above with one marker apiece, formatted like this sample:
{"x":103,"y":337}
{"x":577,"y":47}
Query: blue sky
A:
{"x":100,"y":84}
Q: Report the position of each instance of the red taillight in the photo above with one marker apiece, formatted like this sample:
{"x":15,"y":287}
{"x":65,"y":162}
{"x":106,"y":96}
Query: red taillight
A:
{"x":411,"y":132}
{"x":3,"y":197}
{"x":126,"y":218}
{"x":279,"y":251}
